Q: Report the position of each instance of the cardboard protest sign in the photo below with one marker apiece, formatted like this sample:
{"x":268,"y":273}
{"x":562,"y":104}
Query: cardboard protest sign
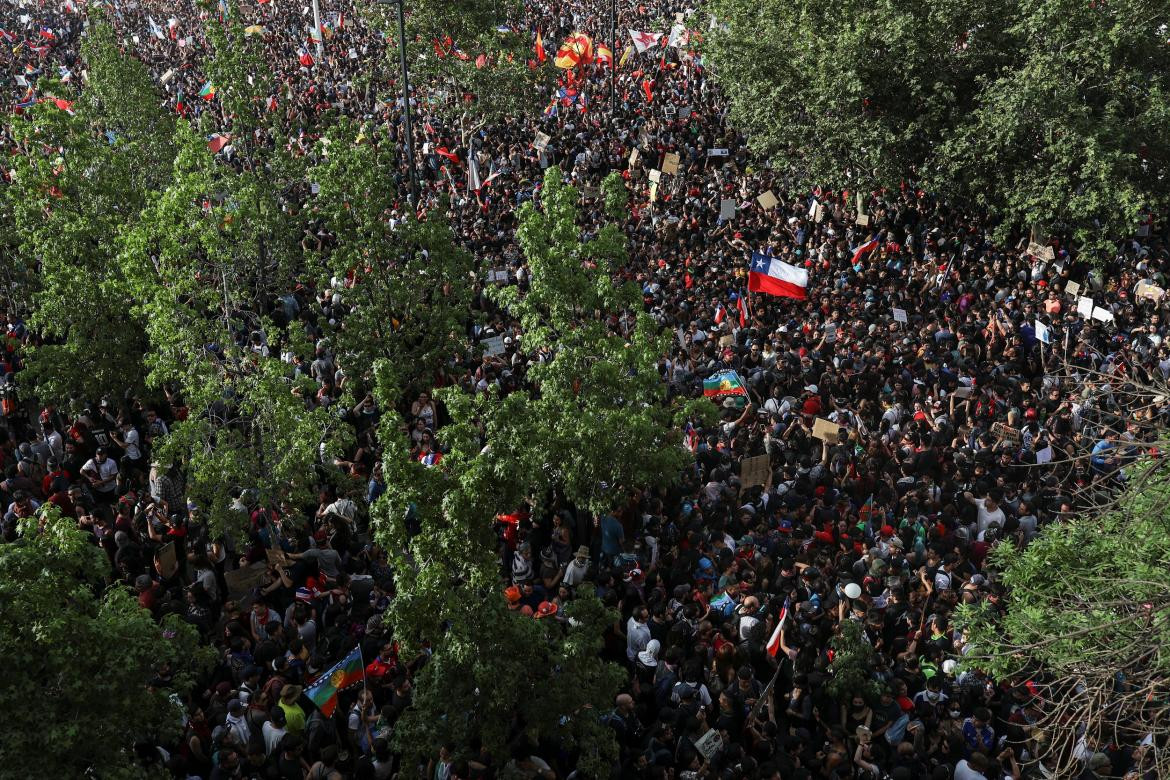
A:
{"x":819,"y":215}
{"x":1072,"y":288}
{"x":633,"y":157}
{"x":755,"y":471}
{"x":900,"y":316}
{"x":726,"y":341}
{"x":963,"y":391}
{"x":767,"y":200}
{"x":541,"y":142}
{"x":276,"y":557}
{"x":1005,"y":433}
{"x":653,"y":191}
{"x":655,"y":175}
{"x":168,"y":562}
{"x":240,"y":582}
{"x":670,"y":163}
{"x":1150,"y":291}
{"x":726,"y":209}
{"x":826,"y":431}
{"x":863,"y":220}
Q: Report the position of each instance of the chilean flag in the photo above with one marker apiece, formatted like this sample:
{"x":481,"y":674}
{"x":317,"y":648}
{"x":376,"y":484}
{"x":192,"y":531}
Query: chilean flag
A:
{"x":864,"y":250}
{"x":776,"y":277}
{"x":774,"y":642}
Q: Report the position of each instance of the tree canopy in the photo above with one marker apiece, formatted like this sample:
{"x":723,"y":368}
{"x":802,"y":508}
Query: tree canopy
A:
{"x":1050,"y":112}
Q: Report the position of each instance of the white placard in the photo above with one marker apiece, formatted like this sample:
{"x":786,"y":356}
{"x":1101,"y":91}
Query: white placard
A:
{"x":718,"y":152}
{"x":1072,"y":288}
{"x":1044,"y":456}
{"x":1104,"y":315}
{"x":709,"y":744}
{"x":493,"y":346}
{"x":726,"y":209}
{"x":1042,"y":332}
{"x":1085,"y":307}
{"x":900,"y":316}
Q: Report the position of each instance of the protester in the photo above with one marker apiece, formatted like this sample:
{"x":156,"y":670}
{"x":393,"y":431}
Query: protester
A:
{"x":924,"y":397}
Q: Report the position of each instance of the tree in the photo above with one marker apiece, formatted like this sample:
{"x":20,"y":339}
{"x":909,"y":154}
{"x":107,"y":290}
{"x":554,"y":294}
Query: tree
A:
{"x":1084,"y":623}
{"x":1074,"y":131}
{"x":81,"y":659}
{"x":404,"y":291}
{"x":89,"y":165}
{"x":492,"y":673}
{"x":598,"y":417}
{"x":466,"y":55}
{"x":592,"y":415}
{"x":852,"y":665}
{"x":212,"y":260}
{"x":1051,"y":112}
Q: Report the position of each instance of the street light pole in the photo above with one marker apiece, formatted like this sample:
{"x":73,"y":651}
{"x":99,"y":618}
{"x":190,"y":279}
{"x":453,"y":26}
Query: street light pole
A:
{"x":409,"y":140}
{"x":317,"y":34}
{"x":613,"y":52}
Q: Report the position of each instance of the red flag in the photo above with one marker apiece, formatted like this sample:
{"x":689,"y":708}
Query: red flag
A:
{"x":688,"y":282}
{"x":306,"y":59}
{"x":647,"y":86}
{"x":64,"y":105}
{"x":439,"y":49}
{"x":481,"y":61}
{"x":47,"y":34}
{"x":442,"y":151}
{"x":741,"y":304}
{"x":774,"y":642}
{"x":540,"y":55}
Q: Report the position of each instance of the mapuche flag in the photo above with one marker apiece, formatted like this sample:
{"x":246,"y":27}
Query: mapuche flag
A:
{"x":776,"y":277}
{"x":349,"y":671}
{"x":724,"y":384}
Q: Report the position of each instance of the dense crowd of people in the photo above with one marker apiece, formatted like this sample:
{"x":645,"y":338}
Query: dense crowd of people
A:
{"x":973,"y":397}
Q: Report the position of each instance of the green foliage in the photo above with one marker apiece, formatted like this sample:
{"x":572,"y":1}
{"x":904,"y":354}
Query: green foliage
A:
{"x":411,"y":291}
{"x":1048,"y":111}
{"x":83,"y":179}
{"x":79,"y":660}
{"x":602,"y":377}
{"x":503,"y":86}
{"x":1086,"y":597}
{"x":852,"y":667}
{"x":488,"y":665}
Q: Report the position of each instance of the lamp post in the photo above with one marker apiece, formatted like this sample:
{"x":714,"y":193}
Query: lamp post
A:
{"x":409,"y":142}
{"x":613,"y":53}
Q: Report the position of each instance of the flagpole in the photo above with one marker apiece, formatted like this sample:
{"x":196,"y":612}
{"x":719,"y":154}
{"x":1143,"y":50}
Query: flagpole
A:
{"x":317,"y":36}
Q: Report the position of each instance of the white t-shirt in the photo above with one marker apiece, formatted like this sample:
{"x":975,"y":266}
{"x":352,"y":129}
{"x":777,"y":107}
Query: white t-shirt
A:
{"x":987,"y":518}
{"x":963,"y":771}
{"x":131,"y":439}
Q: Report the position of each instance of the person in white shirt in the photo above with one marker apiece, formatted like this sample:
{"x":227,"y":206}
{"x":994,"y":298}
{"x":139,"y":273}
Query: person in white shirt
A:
{"x":102,"y":473}
{"x":637,"y":633}
{"x":989,"y":511}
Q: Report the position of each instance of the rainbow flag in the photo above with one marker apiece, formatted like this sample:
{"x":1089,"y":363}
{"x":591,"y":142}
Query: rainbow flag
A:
{"x":349,"y":671}
{"x":208,"y":91}
{"x":723,"y":384}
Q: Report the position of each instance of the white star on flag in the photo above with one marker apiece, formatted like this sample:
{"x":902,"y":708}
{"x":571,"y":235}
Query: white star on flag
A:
{"x":645,"y":40}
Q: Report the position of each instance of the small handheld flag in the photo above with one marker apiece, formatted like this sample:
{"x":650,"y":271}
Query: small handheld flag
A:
{"x":347,"y":672}
{"x":724,"y":384}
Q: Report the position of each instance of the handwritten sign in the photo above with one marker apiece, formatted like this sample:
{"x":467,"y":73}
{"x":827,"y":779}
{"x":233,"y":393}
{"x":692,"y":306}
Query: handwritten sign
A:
{"x":633,"y":157}
{"x":1006,"y":434}
{"x":755,"y":471}
{"x":709,"y":744}
{"x":541,"y":142}
{"x":1102,"y":315}
{"x":863,"y":220}
{"x":655,"y":175}
{"x":900,"y":316}
{"x":1150,"y":291}
{"x":1085,"y":307}
{"x":1072,"y":288}
{"x":670,"y":163}
{"x":493,"y":346}
{"x":767,"y":200}
{"x":819,"y":215}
